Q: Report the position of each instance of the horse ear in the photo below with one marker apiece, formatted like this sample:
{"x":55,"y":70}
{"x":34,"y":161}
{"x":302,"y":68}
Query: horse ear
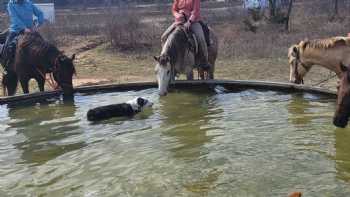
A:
{"x":156,"y":58}
{"x":304,"y":43}
{"x":343,"y":68}
{"x":73,"y":57}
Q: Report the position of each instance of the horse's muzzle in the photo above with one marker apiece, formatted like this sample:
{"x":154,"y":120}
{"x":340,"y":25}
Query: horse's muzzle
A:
{"x":297,"y":81}
{"x":341,"y":122}
{"x":68,"y":90}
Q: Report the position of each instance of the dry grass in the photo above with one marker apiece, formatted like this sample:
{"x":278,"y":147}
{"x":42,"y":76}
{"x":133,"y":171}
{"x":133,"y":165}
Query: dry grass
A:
{"x":115,"y":67}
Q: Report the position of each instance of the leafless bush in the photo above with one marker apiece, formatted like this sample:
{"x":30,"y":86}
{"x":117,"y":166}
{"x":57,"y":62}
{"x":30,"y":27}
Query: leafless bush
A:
{"x":308,"y":21}
{"x":80,"y":24}
{"x":48,"y":31}
{"x":125,"y":31}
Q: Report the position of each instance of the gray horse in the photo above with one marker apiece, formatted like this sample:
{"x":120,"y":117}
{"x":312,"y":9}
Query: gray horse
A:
{"x":178,"y":56}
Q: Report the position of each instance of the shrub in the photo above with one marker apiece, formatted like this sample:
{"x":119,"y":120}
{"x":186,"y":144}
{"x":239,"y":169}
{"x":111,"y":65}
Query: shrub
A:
{"x":125,"y":31}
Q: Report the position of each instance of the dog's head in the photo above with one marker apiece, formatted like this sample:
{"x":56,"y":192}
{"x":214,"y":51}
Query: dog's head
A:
{"x":138,"y":104}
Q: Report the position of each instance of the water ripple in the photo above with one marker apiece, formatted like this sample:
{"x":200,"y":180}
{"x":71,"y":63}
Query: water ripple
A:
{"x":247,"y":143}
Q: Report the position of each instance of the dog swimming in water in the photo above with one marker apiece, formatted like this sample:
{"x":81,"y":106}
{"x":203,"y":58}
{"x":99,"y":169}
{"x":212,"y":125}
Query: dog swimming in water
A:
{"x":127,"y":109}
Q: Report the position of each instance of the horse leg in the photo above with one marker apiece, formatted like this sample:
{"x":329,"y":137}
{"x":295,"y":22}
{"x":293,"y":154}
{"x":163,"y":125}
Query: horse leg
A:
{"x":201,"y":73}
{"x":9,"y":83}
{"x":41,"y":83}
{"x":211,"y":72}
{"x":189,"y":75}
{"x":25,"y":85}
{"x":173,"y":75}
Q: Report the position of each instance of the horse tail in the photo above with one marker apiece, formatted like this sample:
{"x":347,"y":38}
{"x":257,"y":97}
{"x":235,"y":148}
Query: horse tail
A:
{"x":9,"y":83}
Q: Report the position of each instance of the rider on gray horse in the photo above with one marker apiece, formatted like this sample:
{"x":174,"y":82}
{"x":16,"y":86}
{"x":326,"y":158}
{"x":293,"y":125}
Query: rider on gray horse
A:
{"x":21,"y":20}
{"x":187,"y":13}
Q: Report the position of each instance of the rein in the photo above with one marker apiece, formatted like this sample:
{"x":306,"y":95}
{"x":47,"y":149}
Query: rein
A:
{"x":50,"y":79}
{"x":297,"y":63}
{"x":172,"y":74}
{"x":190,"y":36}
{"x":325,"y":80}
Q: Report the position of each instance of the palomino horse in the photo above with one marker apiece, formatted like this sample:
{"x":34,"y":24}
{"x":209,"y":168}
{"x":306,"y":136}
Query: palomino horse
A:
{"x":342,"y":112}
{"x":177,"y":57}
{"x":34,"y":58}
{"x":329,"y":53}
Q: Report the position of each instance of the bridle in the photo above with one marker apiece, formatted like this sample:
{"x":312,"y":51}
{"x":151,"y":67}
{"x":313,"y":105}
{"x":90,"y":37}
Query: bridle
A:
{"x":298,"y":62}
{"x":54,"y":84}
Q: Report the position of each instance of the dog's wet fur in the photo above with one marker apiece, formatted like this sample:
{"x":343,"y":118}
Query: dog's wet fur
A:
{"x":127,"y":109}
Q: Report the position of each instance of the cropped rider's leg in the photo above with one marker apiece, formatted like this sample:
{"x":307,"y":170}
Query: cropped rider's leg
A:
{"x":5,"y":53}
{"x":196,"y":28}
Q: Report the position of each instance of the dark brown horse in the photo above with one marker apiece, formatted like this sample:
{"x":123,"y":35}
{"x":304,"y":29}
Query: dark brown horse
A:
{"x":33,"y":59}
{"x":342,"y":112}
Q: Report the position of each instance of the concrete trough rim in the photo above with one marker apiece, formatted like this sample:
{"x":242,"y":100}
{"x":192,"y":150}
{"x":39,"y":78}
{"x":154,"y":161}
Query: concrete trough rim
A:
{"x":230,"y":84}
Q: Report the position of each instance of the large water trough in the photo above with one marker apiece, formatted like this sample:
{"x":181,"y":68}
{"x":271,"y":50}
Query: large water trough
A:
{"x":205,"y":138}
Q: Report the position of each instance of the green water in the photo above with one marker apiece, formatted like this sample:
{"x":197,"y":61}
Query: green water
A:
{"x":190,"y":144}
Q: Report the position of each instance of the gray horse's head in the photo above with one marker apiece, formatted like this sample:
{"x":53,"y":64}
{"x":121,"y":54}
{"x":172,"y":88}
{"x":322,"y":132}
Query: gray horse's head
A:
{"x":163,"y":73}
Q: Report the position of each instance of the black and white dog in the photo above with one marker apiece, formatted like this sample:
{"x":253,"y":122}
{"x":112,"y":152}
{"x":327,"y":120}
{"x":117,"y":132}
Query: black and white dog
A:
{"x":129,"y":108}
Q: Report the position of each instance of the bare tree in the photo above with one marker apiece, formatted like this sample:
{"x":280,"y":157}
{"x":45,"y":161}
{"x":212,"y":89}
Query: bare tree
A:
{"x":335,"y":11}
{"x":85,"y":4}
{"x":273,"y":8}
{"x":287,"y":22}
{"x":334,"y":15}
{"x":108,"y":3}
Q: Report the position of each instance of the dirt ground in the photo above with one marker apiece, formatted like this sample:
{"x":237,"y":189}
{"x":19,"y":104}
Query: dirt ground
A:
{"x":97,"y":65}
{"x":121,"y":68}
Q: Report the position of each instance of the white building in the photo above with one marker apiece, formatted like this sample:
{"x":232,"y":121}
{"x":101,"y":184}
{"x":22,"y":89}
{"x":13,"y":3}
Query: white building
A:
{"x":48,"y":10}
{"x":250,"y":4}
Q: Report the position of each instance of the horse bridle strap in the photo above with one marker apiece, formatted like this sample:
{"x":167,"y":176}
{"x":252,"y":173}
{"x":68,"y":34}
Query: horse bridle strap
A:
{"x":298,"y":61}
{"x":50,"y":80}
{"x":54,"y":85}
{"x":304,"y":66}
